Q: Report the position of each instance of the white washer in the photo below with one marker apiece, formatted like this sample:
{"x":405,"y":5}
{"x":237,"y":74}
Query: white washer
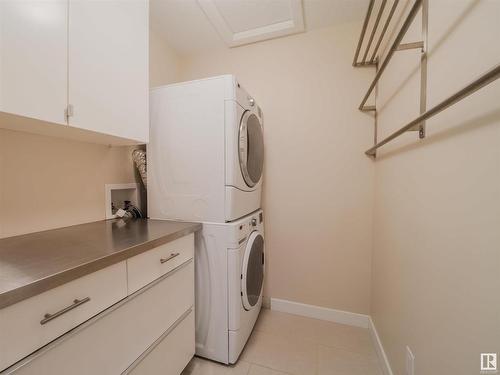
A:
{"x":229,"y":265}
{"x":206,"y":151}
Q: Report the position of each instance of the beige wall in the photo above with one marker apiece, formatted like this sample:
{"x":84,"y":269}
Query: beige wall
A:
{"x":436,"y":258}
{"x":164,"y":62}
{"x":317,"y":183}
{"x":48,"y":182}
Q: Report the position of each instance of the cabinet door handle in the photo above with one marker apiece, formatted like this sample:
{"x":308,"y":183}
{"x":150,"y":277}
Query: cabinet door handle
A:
{"x":171,"y":256}
{"x":77,"y":302}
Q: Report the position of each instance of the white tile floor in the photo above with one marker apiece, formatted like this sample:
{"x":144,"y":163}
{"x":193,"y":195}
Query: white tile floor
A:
{"x":284,"y":344}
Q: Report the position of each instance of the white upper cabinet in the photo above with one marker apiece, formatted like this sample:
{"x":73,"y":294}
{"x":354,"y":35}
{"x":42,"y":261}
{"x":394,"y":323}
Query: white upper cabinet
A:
{"x":85,"y":56}
{"x":108,"y":67}
{"x":33,"y":58}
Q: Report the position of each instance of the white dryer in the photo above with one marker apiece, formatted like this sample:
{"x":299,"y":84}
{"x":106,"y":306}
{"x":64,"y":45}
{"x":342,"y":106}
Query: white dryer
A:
{"x":229,"y":263}
{"x":206,"y":151}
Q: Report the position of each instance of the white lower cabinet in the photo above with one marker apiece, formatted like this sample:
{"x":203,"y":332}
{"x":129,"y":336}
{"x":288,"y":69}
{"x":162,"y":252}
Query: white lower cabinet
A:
{"x":34,"y":322}
{"x":112,"y":342}
{"x":146,"y":267}
{"x":171,"y":353}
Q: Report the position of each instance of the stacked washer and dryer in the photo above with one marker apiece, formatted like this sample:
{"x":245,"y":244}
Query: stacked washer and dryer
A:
{"x":205,"y":162}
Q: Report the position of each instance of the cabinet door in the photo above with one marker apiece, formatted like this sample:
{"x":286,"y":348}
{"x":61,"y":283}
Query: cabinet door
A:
{"x":110,"y":344}
{"x":171,"y":354}
{"x":108,"y":67}
{"x":27,"y":322}
{"x":33,"y":58}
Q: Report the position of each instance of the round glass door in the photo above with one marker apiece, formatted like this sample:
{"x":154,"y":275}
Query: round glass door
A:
{"x":251,"y":148}
{"x":253,"y":270}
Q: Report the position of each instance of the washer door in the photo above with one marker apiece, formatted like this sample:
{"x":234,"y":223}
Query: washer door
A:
{"x":253,"y":271}
{"x":251,"y":148}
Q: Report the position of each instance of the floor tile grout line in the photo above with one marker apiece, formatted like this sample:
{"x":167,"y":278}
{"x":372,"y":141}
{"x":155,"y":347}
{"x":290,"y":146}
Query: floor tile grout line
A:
{"x":350,"y":350}
{"x":267,"y":367}
{"x":317,"y":359}
{"x":372,"y":359}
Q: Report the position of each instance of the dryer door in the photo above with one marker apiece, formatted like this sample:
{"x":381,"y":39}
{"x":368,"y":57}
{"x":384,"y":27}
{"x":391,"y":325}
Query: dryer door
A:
{"x":251,"y":148}
{"x":253,"y":271}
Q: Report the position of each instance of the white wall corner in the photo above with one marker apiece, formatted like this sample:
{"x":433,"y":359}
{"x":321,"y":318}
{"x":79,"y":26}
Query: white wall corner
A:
{"x":322,"y":313}
{"x":384,"y":361}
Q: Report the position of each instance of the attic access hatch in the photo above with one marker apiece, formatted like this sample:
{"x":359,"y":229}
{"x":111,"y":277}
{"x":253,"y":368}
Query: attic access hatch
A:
{"x":241,"y":22}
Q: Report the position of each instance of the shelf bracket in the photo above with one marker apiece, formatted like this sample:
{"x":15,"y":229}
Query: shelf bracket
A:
{"x":423,"y":68}
{"x":413,"y":45}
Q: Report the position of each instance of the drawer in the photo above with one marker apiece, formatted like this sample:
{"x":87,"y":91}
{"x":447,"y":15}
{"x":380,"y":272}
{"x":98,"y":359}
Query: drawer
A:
{"x":147,"y":267}
{"x":171,"y":353}
{"x":25,"y":326}
{"x":110,"y":342}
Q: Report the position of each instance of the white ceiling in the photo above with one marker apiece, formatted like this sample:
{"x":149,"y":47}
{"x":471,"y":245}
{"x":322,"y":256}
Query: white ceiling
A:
{"x":185,"y":26}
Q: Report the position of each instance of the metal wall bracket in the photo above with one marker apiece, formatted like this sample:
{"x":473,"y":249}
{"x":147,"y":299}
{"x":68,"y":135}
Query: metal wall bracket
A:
{"x":482,"y":81}
{"x":381,"y":68}
{"x":413,"y":45}
{"x":419,"y":122}
{"x":368,"y":64}
{"x":396,"y":46}
{"x":68,"y":112}
{"x":369,"y":108}
{"x":423,"y":66}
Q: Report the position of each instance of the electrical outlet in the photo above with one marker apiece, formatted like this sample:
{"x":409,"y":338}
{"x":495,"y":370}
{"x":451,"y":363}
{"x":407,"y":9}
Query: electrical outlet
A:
{"x":410,"y":362}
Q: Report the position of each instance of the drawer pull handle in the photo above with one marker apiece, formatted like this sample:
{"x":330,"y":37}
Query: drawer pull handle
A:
{"x":171,"y":256}
{"x":77,"y":302}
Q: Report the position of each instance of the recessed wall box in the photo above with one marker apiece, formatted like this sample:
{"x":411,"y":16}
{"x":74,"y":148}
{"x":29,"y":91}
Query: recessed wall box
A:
{"x":116,"y":194}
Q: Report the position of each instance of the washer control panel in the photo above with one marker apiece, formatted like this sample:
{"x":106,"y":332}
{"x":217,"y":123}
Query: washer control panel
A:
{"x":249,"y":225}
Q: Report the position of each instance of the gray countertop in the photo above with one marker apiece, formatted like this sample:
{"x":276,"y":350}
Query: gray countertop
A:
{"x":34,"y":263}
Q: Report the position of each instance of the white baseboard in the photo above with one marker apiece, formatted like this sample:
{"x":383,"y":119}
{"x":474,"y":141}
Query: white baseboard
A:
{"x":322,"y":313}
{"x":384,"y":362}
